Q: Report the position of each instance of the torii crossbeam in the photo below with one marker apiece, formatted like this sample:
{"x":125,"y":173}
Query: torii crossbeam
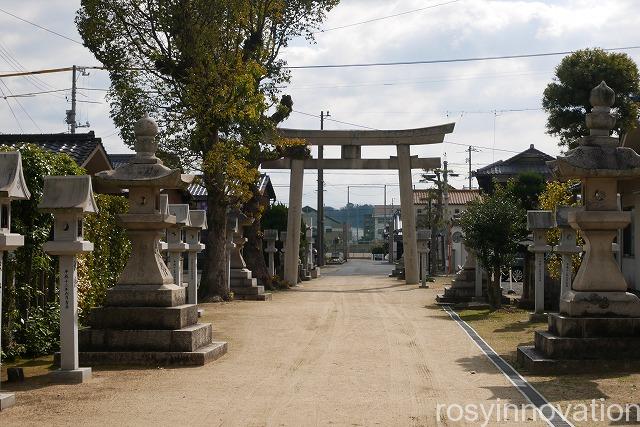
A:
{"x":351,"y":142}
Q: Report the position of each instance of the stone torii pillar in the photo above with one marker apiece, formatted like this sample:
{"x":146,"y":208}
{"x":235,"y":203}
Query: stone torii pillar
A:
{"x":69,"y":199}
{"x":410,"y":244}
{"x":197,"y":223}
{"x":539,"y":222}
{"x":13,"y":187}
{"x":294,"y":219}
{"x":423,"y":249}
{"x":566,"y":247}
{"x":271,"y":237}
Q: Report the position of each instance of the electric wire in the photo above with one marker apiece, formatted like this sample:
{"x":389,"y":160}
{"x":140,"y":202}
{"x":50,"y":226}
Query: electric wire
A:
{"x":40,"y":26}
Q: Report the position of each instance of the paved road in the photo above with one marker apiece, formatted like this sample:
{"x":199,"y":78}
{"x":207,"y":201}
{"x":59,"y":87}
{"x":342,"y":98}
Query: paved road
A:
{"x":349,"y":349}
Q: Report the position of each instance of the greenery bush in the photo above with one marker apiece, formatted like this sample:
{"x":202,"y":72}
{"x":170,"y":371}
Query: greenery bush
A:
{"x":30,"y":317}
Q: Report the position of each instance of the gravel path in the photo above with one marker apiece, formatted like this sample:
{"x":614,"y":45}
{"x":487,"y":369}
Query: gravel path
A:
{"x":353,"y":348}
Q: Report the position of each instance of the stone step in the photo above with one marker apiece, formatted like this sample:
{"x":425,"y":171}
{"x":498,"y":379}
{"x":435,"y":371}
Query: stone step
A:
{"x":254,"y":290}
{"x":244,"y":283}
{"x":146,"y":296}
{"x":444,"y":299}
{"x":240,"y":274}
{"x":199,"y":357}
{"x":144,"y":317}
{"x":259,"y":297}
{"x":593,"y":327}
{"x":186,"y":339}
{"x":534,"y":362}
{"x":555,"y":347}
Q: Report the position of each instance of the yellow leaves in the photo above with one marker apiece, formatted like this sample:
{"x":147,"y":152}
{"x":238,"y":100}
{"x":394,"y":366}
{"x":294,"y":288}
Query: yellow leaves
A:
{"x":293,"y":148}
{"x":226,"y":162}
{"x":557,"y":193}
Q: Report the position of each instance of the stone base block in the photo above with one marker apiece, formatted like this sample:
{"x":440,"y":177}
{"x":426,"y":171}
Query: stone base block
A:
{"x":243,"y":283}
{"x":146,"y":296}
{"x":74,"y":376}
{"x":169,"y":318}
{"x":199,"y":357}
{"x":240,"y":273}
{"x":593,"y":327}
{"x":610,"y":304}
{"x":537,"y":363}
{"x":315,"y":273}
{"x":538,"y":317}
{"x":187,"y":339}
{"x":555,"y":347}
{"x":7,"y":400}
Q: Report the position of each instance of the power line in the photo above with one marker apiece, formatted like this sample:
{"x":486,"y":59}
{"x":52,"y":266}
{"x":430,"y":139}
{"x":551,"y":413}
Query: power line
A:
{"x":41,"y":27}
{"x":445,"y":61}
{"x":385,"y":17}
{"x":21,"y":106}
{"x":11,"y":109}
{"x":334,"y":120}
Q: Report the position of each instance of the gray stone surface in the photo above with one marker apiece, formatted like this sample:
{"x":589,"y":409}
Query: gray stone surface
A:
{"x":70,"y":376}
{"x":7,"y":400}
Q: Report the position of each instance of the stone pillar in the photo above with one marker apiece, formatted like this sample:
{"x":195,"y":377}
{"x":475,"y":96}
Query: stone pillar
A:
{"x":636,"y":246}
{"x":566,"y":247}
{"x":69,"y":198}
{"x":197,"y":223}
{"x":13,"y":188}
{"x":232,"y":229}
{"x":271,"y":237}
{"x":176,"y":244}
{"x":283,"y":239}
{"x":410,"y":245}
{"x":479,"y":275}
{"x":294,"y":219}
{"x":539,"y":222}
{"x":423,"y":250}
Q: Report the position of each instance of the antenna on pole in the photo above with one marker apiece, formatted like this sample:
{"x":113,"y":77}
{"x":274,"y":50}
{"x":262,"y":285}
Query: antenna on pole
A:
{"x":71,"y":114}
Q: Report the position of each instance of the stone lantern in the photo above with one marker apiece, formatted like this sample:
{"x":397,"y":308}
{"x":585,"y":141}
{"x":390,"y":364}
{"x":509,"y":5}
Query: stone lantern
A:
{"x":197,"y":223}
{"x":271,"y":237}
{"x":283,"y":239}
{"x":598,"y":319}
{"x":243,"y":285}
{"x":423,"y":236}
{"x":539,"y":222}
{"x":566,"y":246}
{"x":69,"y":199}
{"x":12,"y":187}
{"x":146,"y":320}
{"x":176,"y":244}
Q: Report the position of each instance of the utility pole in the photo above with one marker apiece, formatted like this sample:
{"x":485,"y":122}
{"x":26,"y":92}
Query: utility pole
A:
{"x":446,"y":217}
{"x":320,"y":221}
{"x":71,"y":114}
{"x":347,"y":228}
{"x":471,"y":149}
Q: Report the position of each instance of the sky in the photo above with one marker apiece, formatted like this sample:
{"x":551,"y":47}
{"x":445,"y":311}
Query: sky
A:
{"x":494,"y":104}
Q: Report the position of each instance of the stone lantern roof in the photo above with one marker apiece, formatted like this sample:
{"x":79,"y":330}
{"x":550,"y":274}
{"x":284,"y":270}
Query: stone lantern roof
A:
{"x":145,"y":169}
{"x":181,"y":212}
{"x":599,"y":155}
{"x":69,"y":193}
{"x":12,"y":183}
{"x":198,"y":219}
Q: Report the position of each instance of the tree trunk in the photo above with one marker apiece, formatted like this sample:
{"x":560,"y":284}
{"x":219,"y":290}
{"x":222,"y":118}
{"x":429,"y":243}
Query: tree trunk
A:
{"x":253,"y":251}
{"x":215,"y":283}
{"x":494,"y":291}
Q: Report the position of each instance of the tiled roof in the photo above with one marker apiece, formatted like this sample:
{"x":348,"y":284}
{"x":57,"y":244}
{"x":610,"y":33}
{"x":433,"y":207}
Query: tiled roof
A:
{"x":530,"y":160}
{"x":379,"y":210}
{"x":79,"y":146}
{"x":197,"y":190}
{"x":118,"y":160}
{"x":456,"y":197}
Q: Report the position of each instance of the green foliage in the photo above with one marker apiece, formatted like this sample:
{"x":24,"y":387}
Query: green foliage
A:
{"x":556,"y":194}
{"x":376,"y":250}
{"x":566,"y":99}
{"x":275,"y":217}
{"x":493,"y":226}
{"x":527,"y":187}
{"x":100,"y":269}
{"x":40,"y":332}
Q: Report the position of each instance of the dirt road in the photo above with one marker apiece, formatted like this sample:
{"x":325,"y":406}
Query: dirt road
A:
{"x":354,"y":348}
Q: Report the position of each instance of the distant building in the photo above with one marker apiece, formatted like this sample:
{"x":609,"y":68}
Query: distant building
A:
{"x":530,"y":160}
{"x":382,"y":215}
{"x":333,"y":229}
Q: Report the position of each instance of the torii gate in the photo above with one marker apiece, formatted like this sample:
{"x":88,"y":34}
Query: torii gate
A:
{"x":351,"y":142}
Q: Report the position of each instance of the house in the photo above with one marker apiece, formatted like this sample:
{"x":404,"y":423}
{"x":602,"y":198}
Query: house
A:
{"x":382,"y":215}
{"x":85,"y":148}
{"x":529,"y":161}
{"x":630,"y":201}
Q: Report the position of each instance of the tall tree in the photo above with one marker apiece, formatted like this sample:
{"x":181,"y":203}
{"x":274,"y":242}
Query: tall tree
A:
{"x":566,"y":98}
{"x":208,"y":71}
{"x":492,"y":227}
